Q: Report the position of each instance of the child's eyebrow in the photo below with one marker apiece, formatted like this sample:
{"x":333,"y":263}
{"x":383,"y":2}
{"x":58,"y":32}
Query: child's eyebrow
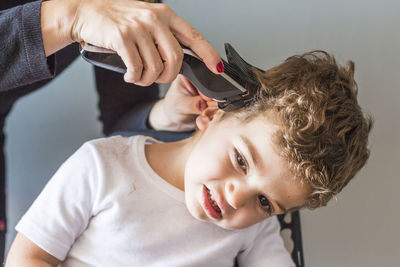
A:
{"x":251,"y":149}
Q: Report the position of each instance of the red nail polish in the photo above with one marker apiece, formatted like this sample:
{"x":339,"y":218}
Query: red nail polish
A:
{"x":220,"y":67}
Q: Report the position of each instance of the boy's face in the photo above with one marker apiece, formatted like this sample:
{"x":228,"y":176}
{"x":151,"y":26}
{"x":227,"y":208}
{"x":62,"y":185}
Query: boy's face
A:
{"x":234,"y":176}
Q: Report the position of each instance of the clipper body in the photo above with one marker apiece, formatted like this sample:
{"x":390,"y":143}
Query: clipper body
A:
{"x":232,"y":89}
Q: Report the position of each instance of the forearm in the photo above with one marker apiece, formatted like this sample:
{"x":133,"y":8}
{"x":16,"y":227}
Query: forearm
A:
{"x":30,"y":263}
{"x":24,"y":252}
{"x":56,"y":23}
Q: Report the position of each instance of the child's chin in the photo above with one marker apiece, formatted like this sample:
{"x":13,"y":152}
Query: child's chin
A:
{"x":205,"y":219}
{"x":223,"y":226}
{"x":196,"y":212}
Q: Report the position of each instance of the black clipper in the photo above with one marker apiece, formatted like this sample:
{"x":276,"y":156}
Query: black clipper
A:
{"x":232,"y":89}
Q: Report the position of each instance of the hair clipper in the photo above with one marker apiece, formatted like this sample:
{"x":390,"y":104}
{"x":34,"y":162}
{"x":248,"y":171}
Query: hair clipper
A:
{"x":232,"y":89}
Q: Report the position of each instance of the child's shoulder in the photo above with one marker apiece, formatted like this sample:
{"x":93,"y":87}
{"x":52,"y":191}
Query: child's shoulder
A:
{"x":110,"y":162}
{"x":114,"y":143}
{"x":116,"y":149}
{"x":112,"y":140}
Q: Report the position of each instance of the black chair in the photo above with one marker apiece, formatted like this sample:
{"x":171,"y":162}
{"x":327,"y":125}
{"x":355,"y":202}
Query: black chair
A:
{"x":291,"y":234}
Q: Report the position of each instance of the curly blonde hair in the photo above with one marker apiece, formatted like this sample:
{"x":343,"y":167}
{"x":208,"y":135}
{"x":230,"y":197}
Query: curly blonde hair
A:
{"x":323,"y":134}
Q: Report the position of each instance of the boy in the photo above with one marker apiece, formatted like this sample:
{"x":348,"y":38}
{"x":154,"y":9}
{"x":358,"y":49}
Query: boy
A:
{"x":207,"y":199}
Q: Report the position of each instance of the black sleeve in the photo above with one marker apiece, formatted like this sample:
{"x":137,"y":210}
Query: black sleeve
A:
{"x":136,"y":119}
{"x":22,"y":56}
{"x":135,"y":122}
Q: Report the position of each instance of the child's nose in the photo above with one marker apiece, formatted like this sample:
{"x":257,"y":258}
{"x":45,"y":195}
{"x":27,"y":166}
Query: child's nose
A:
{"x":236,"y":194}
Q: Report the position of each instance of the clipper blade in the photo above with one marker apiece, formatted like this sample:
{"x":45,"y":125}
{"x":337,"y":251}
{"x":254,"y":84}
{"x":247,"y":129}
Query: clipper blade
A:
{"x":241,"y":71}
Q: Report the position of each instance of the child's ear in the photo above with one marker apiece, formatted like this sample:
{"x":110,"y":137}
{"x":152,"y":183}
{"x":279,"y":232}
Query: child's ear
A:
{"x":208,"y":115}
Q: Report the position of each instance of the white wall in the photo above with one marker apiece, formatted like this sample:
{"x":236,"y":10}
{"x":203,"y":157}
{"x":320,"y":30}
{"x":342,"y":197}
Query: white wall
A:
{"x":361,"y":228}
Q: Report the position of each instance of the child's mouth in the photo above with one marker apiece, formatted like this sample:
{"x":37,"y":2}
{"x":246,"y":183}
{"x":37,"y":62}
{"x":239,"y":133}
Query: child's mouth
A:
{"x":210,"y":205}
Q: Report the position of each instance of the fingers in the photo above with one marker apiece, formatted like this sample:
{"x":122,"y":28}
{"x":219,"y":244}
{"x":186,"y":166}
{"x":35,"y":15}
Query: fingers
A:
{"x":149,"y":42}
{"x":206,"y":98}
{"x":208,"y":55}
{"x":132,"y":60}
{"x":171,"y":53}
{"x":192,"y":90}
{"x":195,"y":105}
{"x":199,"y":106}
{"x":190,"y":37}
{"x":190,"y":106}
{"x":188,"y":86}
{"x":152,"y":62}
{"x":206,"y":102}
{"x":159,"y":64}
{"x":212,"y":104}
{"x":160,"y":51}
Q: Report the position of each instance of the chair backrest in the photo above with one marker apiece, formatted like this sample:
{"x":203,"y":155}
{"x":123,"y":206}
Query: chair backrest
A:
{"x":291,"y":234}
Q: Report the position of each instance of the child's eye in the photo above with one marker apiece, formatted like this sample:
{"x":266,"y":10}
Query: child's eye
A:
{"x":264,"y":202}
{"x":241,"y":161}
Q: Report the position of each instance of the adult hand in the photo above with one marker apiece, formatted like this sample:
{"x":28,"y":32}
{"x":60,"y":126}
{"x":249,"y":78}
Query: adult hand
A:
{"x":180,"y":107}
{"x":145,"y":35}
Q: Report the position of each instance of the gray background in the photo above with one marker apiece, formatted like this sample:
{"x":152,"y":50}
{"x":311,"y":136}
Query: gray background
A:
{"x":361,"y":228}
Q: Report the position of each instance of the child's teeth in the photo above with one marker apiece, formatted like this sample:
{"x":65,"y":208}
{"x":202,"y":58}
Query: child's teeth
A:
{"x":213,"y":203}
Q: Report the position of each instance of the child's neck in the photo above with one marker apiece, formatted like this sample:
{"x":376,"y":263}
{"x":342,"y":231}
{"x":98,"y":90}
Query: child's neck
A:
{"x":168,"y":160}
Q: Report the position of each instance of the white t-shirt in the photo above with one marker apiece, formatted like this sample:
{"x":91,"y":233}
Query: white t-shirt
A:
{"x":105,"y":206}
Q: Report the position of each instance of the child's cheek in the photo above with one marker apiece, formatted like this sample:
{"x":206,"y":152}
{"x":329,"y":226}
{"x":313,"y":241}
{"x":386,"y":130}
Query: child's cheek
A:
{"x":209,"y":160}
{"x":202,"y":168}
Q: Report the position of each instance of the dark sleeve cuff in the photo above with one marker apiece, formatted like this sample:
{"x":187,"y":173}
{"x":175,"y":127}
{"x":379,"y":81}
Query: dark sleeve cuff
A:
{"x":40,"y":67}
{"x":22,"y":47}
{"x":135,"y":122}
{"x":136,"y":119}
{"x":164,"y":136}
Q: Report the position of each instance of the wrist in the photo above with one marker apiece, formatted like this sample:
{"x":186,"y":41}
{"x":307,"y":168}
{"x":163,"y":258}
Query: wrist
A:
{"x":56,"y":20}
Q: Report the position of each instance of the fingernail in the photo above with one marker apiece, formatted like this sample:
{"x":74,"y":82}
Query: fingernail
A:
{"x":220,"y":67}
